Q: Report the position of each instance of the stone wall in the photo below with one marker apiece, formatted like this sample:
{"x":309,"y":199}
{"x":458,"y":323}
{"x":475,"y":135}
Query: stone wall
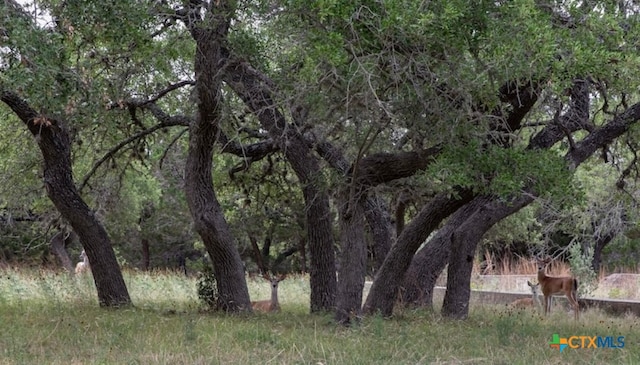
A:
{"x":611,"y":306}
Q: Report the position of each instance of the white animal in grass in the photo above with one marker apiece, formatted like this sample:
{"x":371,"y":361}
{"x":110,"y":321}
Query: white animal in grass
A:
{"x":83,"y":266}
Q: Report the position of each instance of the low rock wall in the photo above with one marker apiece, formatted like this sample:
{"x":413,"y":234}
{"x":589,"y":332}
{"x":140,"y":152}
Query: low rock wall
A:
{"x":611,"y":306}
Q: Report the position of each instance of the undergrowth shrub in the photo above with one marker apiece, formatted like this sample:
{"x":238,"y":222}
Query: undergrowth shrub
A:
{"x":581,"y":268}
{"x":207,"y":288}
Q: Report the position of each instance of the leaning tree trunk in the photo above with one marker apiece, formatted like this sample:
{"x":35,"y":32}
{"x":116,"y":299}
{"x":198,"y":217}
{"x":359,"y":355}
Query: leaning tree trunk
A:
{"x":464,"y":242}
{"x":385,"y":285}
{"x":431,"y":260}
{"x":580,"y":151}
{"x":353,"y":259}
{"x":428,"y":263}
{"x":53,"y":139}
{"x":208,"y":217}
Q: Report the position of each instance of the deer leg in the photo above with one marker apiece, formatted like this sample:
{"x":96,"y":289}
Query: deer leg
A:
{"x":547,"y":304}
{"x":573,"y":299}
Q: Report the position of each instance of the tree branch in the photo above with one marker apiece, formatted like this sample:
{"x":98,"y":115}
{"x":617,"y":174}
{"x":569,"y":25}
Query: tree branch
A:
{"x":253,"y":152}
{"x":122,"y":144}
{"x":604,"y":135}
{"x":21,"y":108}
{"x":170,"y":88}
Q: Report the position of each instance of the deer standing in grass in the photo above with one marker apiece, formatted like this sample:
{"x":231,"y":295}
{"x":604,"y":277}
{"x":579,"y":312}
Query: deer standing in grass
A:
{"x":83,"y":266}
{"x":551,"y":285}
{"x":272,"y":304}
{"x":533,"y":302}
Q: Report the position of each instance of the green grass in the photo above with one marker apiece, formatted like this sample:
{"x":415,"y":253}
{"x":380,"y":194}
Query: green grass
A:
{"x":48,"y":318}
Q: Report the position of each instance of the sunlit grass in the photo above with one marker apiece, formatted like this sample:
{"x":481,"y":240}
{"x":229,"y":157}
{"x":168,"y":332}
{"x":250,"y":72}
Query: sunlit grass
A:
{"x":49,"y":318}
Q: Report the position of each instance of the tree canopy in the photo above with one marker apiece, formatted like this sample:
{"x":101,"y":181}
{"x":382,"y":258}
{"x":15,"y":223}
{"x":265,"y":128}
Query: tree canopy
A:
{"x":381,"y":138}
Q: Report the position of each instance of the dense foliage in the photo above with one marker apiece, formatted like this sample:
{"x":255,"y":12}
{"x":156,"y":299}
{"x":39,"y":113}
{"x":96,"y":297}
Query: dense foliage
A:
{"x":462,"y":94}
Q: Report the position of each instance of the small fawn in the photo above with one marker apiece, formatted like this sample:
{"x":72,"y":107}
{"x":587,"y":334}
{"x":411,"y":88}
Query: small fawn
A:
{"x":529,"y":302}
{"x":551,"y":285}
{"x":83,"y":266}
{"x":272,"y":304}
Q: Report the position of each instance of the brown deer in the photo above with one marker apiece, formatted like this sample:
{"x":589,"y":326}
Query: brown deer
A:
{"x":272,"y":304}
{"x":529,"y":302}
{"x":551,"y":285}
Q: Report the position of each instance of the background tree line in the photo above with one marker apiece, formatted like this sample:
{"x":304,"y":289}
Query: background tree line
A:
{"x":387,"y":139}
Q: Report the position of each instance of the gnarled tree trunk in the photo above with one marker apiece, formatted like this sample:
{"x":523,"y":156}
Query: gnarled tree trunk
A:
{"x":210,"y":222}
{"x":379,"y":224}
{"x":203,"y":204}
{"x":53,"y":139}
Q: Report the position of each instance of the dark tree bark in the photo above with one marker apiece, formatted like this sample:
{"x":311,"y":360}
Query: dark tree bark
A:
{"x":210,"y":222}
{"x":284,"y":255}
{"x":601,"y":243}
{"x":429,"y":262}
{"x":427,"y":265}
{"x":521,"y":98}
{"x":57,"y":244}
{"x":376,"y":213}
{"x":302,"y":244}
{"x":401,"y":208}
{"x":53,"y":139}
{"x":254,"y":89}
{"x":379,"y":224}
{"x":383,"y":167}
{"x":205,"y":209}
{"x":353,"y":259}
{"x":385,"y":286}
{"x":464,"y":241}
{"x":146,"y":257}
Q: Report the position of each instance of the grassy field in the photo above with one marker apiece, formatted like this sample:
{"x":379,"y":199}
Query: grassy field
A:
{"x":48,"y":318}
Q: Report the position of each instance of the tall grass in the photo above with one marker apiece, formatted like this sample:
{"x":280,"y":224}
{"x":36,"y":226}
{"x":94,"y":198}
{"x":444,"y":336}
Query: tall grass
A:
{"x":49,"y":318}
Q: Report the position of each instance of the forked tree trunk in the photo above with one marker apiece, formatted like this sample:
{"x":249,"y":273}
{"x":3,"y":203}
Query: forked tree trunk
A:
{"x":387,"y":281}
{"x":53,"y":139}
{"x":254,"y":89}
{"x":428,"y":263}
{"x":431,"y":260}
